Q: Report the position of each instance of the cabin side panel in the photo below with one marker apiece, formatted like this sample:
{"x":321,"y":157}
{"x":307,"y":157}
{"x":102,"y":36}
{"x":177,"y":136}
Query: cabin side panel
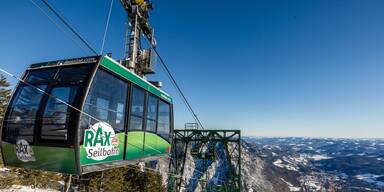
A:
{"x":53,"y":159}
{"x":155,"y":145}
{"x":93,"y":152}
{"x":135,"y":145}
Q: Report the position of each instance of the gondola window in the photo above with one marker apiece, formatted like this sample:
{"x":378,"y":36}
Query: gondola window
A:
{"x":56,"y":114}
{"x":137,"y":109}
{"x":23,"y":111}
{"x":151,"y":113}
{"x":164,"y":120}
{"x":105,"y":102}
{"x":40,"y":75}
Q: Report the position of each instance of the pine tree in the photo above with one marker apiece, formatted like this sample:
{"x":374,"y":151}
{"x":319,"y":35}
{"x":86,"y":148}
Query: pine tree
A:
{"x":127,"y":179}
{"x":154,"y":182}
{"x":5,"y":94}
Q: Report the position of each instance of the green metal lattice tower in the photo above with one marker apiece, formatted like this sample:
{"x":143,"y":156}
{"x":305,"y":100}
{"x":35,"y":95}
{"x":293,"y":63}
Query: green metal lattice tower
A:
{"x":182,"y":142}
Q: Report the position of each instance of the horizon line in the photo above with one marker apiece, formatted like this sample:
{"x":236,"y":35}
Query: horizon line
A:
{"x":318,"y":137}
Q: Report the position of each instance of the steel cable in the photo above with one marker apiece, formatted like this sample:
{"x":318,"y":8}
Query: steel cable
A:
{"x":106,"y":28}
{"x":69,"y":26}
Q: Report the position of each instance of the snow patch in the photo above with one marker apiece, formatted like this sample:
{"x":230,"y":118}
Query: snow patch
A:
{"x":26,"y":189}
{"x":370,"y":178}
{"x":320,"y":157}
{"x":4,"y":171}
{"x":279,"y":163}
{"x":290,"y":186}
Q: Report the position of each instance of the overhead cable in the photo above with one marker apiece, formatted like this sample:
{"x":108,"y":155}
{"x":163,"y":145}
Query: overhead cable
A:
{"x":57,"y":25}
{"x":106,"y":28}
{"x":86,"y":114}
{"x":176,"y":85}
{"x":165,"y":67}
{"x":69,"y":26}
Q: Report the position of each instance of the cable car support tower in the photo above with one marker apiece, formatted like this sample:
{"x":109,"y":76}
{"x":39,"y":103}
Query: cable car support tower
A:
{"x":208,"y":149}
{"x":136,"y":58}
{"x":205,"y":146}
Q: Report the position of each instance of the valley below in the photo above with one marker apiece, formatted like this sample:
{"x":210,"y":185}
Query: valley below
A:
{"x":312,"y":164}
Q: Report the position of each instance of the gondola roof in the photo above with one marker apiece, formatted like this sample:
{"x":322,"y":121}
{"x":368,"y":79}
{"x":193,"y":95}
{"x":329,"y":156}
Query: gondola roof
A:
{"x":112,"y":66}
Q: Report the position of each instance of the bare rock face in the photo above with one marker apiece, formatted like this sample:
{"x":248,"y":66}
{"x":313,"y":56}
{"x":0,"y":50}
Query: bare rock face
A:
{"x":253,"y":177}
{"x":253,"y":172}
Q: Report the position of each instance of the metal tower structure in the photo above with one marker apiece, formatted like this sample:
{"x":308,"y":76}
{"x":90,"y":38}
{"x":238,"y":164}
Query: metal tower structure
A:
{"x":138,"y":59}
{"x":201,"y":143}
{"x":202,"y":146}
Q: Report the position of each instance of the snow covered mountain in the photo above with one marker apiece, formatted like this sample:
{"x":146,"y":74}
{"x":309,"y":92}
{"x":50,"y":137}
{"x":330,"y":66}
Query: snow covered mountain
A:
{"x":298,"y":164}
{"x":312,"y":164}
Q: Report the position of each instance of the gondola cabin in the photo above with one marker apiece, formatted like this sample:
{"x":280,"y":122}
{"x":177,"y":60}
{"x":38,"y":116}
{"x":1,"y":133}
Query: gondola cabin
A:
{"x":82,"y":115}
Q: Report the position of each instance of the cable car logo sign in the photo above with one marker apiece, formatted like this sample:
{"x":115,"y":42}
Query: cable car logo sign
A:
{"x":100,"y":142}
{"x":24,"y":152}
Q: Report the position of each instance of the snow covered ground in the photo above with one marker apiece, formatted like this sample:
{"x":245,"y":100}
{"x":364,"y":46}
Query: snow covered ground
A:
{"x":18,"y":188}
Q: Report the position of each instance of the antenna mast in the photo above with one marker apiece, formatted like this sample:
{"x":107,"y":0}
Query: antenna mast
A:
{"x":137,"y":59}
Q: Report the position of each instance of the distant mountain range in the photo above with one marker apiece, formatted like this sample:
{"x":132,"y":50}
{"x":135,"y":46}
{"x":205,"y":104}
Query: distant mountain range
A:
{"x":303,"y":164}
{"x":311,"y":164}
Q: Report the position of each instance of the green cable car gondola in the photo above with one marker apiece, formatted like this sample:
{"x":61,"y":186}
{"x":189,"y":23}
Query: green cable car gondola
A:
{"x":82,"y":115}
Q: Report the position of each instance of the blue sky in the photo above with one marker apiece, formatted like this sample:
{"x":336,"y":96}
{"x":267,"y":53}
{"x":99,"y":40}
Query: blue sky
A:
{"x":270,"y":68}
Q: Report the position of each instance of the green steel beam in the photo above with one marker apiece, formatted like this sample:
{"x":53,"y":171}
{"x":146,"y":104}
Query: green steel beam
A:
{"x":185,"y":137}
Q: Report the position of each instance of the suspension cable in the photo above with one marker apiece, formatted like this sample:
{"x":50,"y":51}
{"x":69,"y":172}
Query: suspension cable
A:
{"x":49,"y":95}
{"x":57,"y":25}
{"x":90,"y":116}
{"x":106,"y":28}
{"x":69,"y":26}
{"x":188,"y":105}
{"x":165,"y":67}
{"x":52,"y":96}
